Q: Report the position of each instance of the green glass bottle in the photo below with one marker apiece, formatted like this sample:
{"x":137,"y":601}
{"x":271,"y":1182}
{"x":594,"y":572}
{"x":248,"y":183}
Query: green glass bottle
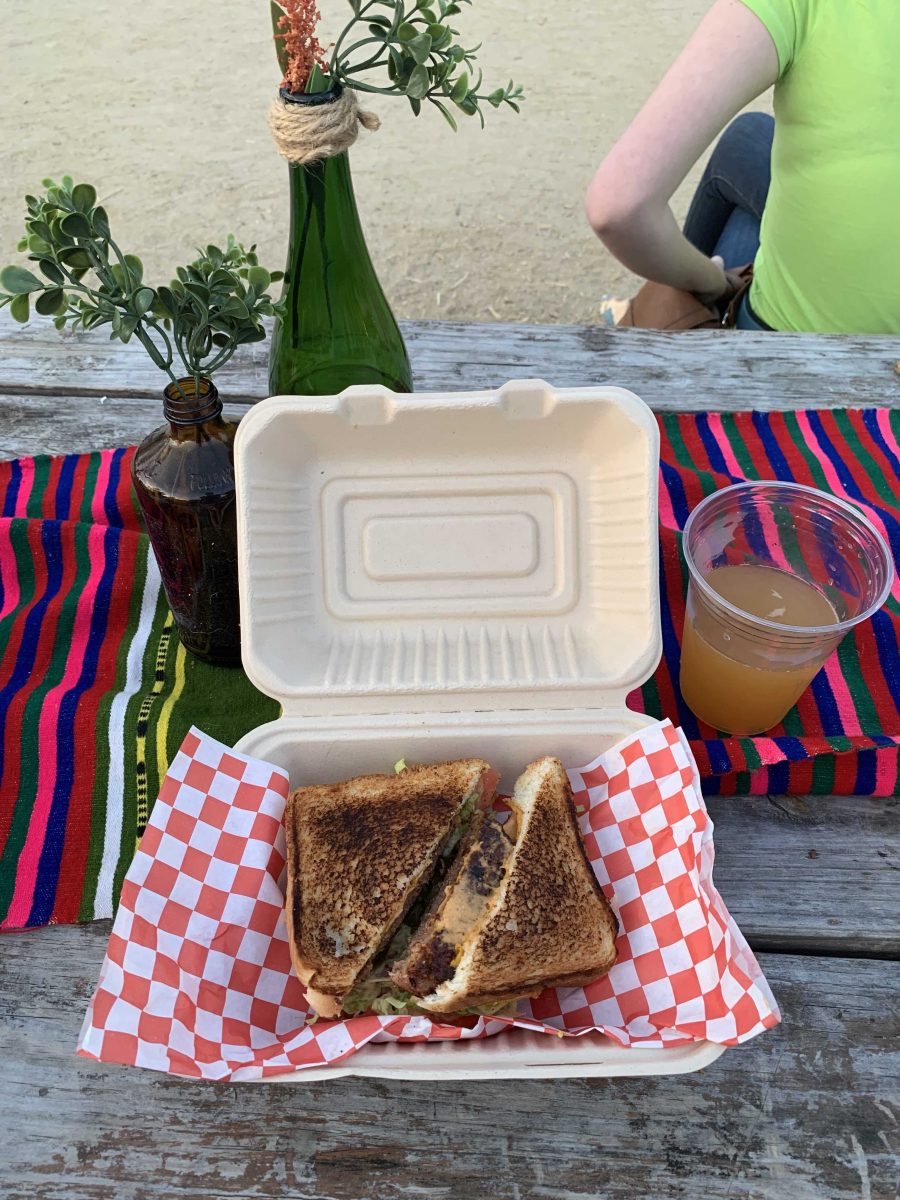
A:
{"x":338,"y":328}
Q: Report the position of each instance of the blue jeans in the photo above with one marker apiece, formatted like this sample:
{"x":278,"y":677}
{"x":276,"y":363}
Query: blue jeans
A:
{"x":727,"y":208}
{"x":748,"y":320}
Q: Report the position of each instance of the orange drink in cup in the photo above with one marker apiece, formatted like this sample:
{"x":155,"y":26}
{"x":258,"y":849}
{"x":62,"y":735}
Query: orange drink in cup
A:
{"x":778,"y":574}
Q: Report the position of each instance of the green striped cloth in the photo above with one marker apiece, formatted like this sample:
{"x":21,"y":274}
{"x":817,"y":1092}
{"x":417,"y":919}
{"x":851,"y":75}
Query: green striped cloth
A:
{"x":96,"y":690}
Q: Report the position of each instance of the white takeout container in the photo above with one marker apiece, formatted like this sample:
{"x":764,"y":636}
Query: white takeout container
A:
{"x":437,"y":576}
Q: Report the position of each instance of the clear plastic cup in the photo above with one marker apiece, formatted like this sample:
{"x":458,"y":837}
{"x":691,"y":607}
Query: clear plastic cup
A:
{"x":778,"y":574}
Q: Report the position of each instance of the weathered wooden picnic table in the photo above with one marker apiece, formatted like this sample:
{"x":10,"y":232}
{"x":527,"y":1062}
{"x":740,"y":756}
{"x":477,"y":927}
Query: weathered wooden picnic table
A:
{"x":810,"y":1110}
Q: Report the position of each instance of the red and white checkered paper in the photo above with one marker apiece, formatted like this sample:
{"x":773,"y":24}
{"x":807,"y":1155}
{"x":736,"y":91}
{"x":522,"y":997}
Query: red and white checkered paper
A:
{"x":197,"y":978}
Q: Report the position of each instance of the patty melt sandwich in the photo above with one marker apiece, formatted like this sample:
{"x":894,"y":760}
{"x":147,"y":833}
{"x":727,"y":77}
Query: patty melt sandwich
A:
{"x":410,"y":893}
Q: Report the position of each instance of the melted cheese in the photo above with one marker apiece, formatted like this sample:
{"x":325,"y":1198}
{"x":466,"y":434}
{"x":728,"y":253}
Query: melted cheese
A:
{"x":464,"y":907}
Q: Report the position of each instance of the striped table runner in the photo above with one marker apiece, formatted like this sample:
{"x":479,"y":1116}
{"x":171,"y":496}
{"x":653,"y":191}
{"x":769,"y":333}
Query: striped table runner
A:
{"x":843,"y":735}
{"x":96,"y":692}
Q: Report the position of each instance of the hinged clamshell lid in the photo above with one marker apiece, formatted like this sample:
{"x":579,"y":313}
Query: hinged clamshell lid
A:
{"x":456,"y":552}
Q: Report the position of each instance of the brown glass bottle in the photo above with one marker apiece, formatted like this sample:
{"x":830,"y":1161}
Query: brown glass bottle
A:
{"x":183,"y":475}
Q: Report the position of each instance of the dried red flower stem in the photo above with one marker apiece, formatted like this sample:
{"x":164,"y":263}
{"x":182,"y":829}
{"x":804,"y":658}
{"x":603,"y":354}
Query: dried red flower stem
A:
{"x":298,"y":33}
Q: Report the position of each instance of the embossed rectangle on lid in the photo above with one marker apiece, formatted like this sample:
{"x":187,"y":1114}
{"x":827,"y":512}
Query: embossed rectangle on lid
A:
{"x":462,"y":546}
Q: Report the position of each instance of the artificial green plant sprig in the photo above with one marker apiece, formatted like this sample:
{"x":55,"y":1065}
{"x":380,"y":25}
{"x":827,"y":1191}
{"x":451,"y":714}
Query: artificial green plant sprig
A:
{"x":413,"y":42}
{"x":214,"y":304}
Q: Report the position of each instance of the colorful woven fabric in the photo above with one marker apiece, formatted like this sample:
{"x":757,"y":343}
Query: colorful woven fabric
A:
{"x":96,"y":691}
{"x":844,"y":733}
{"x":97,"y":694}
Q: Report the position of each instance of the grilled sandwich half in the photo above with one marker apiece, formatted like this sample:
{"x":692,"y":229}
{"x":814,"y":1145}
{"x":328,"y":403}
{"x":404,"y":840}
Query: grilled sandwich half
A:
{"x":520,"y":910}
{"x":360,"y":854}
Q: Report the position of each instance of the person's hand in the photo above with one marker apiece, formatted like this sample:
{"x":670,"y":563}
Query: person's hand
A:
{"x":711,"y":296}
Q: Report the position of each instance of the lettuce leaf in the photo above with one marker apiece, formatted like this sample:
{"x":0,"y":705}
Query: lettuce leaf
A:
{"x":377,"y":996}
{"x":506,"y":1007}
{"x":399,"y":943}
{"x":463,"y":817}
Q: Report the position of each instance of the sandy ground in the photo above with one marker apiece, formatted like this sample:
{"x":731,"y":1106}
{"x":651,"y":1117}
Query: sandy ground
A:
{"x":162,"y":106}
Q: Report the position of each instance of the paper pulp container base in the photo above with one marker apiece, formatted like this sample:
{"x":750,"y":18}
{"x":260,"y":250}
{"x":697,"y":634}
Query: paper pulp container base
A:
{"x":328,"y":749}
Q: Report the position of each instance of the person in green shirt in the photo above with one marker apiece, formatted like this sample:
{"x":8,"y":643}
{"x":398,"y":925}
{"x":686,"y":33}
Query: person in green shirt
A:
{"x":826,"y":226}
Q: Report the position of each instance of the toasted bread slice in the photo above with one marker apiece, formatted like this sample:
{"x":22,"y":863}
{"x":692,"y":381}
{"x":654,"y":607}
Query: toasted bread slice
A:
{"x":518,"y":915}
{"x":358,"y":854}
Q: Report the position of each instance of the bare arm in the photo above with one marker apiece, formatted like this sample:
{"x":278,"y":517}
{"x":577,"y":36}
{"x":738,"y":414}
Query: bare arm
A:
{"x":729,"y":61}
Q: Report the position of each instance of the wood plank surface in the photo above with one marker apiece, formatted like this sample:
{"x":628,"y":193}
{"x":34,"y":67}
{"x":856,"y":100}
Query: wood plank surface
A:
{"x":808,"y":1111}
{"x":702,"y":370}
{"x":811,"y":874}
{"x":35,"y":423}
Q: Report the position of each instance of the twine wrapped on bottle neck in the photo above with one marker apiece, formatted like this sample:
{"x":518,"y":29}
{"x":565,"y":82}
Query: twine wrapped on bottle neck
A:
{"x":311,"y":126}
